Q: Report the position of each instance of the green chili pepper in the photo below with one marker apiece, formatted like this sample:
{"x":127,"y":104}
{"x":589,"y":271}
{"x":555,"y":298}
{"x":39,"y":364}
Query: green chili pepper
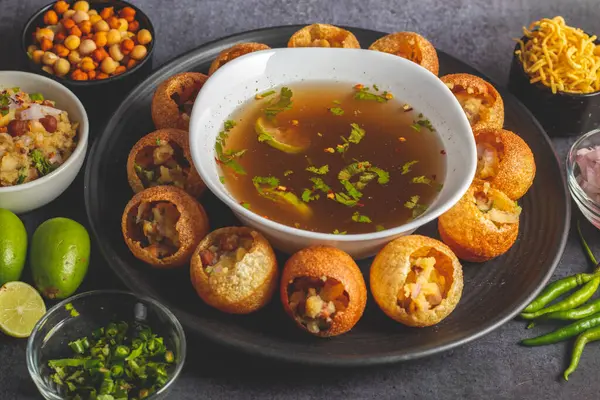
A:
{"x":557,"y":289}
{"x":574,"y":300}
{"x":169,"y":357}
{"x":121,"y":352}
{"x":577,"y":313}
{"x":565,"y":332}
{"x":583,"y":339}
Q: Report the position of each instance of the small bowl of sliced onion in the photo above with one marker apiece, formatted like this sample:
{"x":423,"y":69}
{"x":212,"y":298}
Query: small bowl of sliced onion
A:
{"x":583,"y":175}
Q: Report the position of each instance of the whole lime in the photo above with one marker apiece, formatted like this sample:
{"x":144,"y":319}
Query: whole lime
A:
{"x":13,"y":247}
{"x":60,"y":254}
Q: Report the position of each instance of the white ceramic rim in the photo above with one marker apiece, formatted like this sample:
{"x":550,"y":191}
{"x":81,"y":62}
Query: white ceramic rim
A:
{"x":410,"y":226}
{"x":83,"y":133}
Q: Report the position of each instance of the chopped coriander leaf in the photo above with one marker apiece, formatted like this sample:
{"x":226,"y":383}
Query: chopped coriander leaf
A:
{"x":383,"y":177}
{"x":41,"y":163}
{"x":351,"y":190}
{"x":265,"y":94}
{"x":376,"y":88}
{"x":379,"y":228}
{"x":356,"y":134}
{"x":337,"y":111}
{"x":421,"y":179}
{"x":319,"y":184}
{"x":246,"y":205}
{"x":158,"y":141}
{"x":319,"y":171}
{"x":222,"y":179}
{"x":229,"y":125}
{"x":283,"y":103}
{"x":36,"y":97}
{"x":336,"y":232}
{"x":265,"y":182}
{"x":416,"y":127}
{"x":16,"y":89}
{"x":356,"y":217}
{"x":337,"y":102}
{"x":364,"y":94}
{"x":418,"y":210}
{"x":22,"y":176}
{"x":422,"y":123}
{"x":308,"y":196}
{"x":439,"y":187}
{"x":414,"y":200}
{"x":227,"y":158}
{"x":344,"y":199}
{"x":288,"y":172}
{"x":406,"y":166}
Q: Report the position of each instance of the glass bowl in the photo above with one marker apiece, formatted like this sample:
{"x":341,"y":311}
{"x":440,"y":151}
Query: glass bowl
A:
{"x":51,"y":335}
{"x":589,"y":207}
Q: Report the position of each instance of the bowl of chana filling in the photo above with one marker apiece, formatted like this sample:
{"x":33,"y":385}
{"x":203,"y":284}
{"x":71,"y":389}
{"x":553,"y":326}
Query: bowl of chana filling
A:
{"x":43,"y":138}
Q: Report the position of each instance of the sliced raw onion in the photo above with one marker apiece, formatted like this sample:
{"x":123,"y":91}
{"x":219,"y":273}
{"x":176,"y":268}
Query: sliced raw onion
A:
{"x":588,"y":160}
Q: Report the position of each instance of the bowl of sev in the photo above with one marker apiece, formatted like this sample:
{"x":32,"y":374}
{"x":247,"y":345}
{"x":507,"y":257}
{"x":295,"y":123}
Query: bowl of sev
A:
{"x":555,"y":72}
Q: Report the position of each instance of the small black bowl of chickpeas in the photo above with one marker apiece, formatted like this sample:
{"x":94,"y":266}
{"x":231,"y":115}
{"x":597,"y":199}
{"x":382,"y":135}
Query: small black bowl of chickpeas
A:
{"x":90,"y":43}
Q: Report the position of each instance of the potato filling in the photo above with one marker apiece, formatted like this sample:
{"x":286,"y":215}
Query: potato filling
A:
{"x":185,"y":100}
{"x":157,"y":222}
{"x":427,"y":283}
{"x":498,"y":209}
{"x":225,"y":252}
{"x":409,"y":50}
{"x":475,"y":105}
{"x":488,"y":160}
{"x":315,"y":301}
{"x":163,"y":164}
{"x":320,"y":38}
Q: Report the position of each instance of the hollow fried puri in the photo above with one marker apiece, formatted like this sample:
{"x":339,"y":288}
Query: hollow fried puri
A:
{"x":416,"y":280}
{"x":323,"y":290}
{"x":163,"y":158}
{"x":163,"y":225}
{"x":234,"y":52}
{"x":505,"y":161}
{"x":479,"y":99}
{"x":482,"y":225}
{"x":173,"y":100}
{"x":323,"y":35}
{"x":411,"y":46}
{"x":234,"y":270}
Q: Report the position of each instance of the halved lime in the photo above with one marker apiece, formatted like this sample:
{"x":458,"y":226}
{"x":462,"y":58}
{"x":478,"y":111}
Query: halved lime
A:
{"x":288,"y":199}
{"x":21,"y":307}
{"x":286,"y":140}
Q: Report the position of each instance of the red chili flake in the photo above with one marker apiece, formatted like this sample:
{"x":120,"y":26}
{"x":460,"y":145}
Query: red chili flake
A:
{"x":443,"y":152}
{"x":359,"y":86}
{"x":402,"y":139}
{"x":398,"y":150}
{"x":330,"y":195}
{"x":360,"y":204}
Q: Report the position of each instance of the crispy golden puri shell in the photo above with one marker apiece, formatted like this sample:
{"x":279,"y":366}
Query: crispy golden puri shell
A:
{"x":470,"y":234}
{"x":165,"y":111}
{"x":516,"y":169}
{"x":319,"y":261}
{"x":323,"y":35}
{"x":253,"y":284}
{"x":411,"y":46}
{"x":192,"y":225}
{"x":194,"y":185}
{"x":390,"y":269}
{"x":495,"y":116}
{"x":234,"y":52}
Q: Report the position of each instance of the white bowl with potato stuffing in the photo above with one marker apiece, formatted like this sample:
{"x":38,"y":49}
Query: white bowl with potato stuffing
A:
{"x":239,"y":80}
{"x":29,"y":196}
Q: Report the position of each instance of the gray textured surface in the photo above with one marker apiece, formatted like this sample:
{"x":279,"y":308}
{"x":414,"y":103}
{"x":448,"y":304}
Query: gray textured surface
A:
{"x":493,"y":367}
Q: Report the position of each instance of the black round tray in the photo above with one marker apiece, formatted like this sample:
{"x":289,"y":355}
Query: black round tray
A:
{"x":494,"y":292}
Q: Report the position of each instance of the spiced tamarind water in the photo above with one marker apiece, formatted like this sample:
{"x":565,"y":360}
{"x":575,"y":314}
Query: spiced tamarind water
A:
{"x":331,"y":158}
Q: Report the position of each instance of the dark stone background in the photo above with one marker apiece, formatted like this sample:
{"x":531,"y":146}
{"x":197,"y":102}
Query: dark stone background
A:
{"x":495,"y":367}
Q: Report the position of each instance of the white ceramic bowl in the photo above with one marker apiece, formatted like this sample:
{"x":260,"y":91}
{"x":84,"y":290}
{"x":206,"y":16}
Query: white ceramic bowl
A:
{"x":238,"y":81}
{"x":35,"y":194}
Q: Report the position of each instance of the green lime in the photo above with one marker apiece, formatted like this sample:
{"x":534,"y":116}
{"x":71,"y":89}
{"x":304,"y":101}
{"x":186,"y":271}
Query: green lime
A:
{"x":21,"y":307}
{"x":60,"y":254}
{"x":289,"y":200}
{"x":13,"y":246}
{"x":286,"y":140}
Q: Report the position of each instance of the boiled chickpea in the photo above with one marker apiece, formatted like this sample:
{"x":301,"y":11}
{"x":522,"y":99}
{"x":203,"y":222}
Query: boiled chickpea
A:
{"x":138,"y":52}
{"x":108,"y":65}
{"x":93,"y":12}
{"x":115,"y":52}
{"x":44,"y":33}
{"x":61,"y":6}
{"x":74,"y":57}
{"x":86,"y":47}
{"x":51,"y":18}
{"x":127,"y":35}
{"x":72,"y":42}
{"x":48,"y":69}
{"x":49,"y":58}
{"x":62,"y":67}
{"x":101,"y":26}
{"x":144,"y":36}
{"x":31,"y":49}
{"x":95,"y":18}
{"x":100,"y":38}
{"x":80,"y":16}
{"x":87,"y":64}
{"x":114,"y":36}
{"x":81,"y":6}
{"x":69,"y":14}
{"x":123,"y":25}
{"x":37,"y":55}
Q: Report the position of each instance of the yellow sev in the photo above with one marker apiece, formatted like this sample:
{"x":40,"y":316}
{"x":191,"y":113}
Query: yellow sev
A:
{"x":561,"y":57}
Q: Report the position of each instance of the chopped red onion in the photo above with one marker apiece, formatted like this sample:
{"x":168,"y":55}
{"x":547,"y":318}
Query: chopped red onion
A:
{"x":588,"y":160}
